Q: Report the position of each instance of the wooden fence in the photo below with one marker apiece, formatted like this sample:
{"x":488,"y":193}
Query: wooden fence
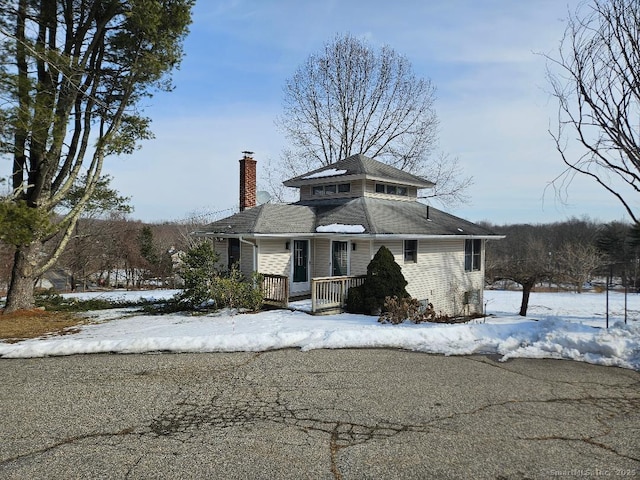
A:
{"x":275,"y":289}
{"x":329,"y":294}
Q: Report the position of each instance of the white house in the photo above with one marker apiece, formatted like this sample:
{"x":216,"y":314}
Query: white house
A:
{"x":346,"y":211}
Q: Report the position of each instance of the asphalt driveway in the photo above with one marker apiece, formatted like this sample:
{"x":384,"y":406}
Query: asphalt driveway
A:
{"x":319,"y":414}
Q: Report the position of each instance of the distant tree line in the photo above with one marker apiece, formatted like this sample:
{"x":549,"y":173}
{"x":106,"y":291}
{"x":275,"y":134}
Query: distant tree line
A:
{"x":113,"y":252}
{"x":565,"y":255}
{"x":109,"y":250}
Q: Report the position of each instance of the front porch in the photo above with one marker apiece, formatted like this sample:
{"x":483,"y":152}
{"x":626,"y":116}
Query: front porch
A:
{"x":328,"y":295}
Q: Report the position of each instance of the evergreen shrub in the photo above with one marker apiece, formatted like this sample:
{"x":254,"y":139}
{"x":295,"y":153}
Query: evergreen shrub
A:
{"x":198,"y":271}
{"x":384,"y":279}
{"x":234,"y":291}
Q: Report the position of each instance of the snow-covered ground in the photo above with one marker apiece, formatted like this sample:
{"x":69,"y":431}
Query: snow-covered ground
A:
{"x":559,"y":325}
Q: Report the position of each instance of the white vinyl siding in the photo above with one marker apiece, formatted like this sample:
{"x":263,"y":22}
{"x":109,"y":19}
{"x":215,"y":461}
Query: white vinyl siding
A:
{"x":305,"y":192}
{"x":221,"y":247}
{"x":274,"y":258}
{"x":246,"y":259}
{"x":438,"y":276}
{"x":321,"y":258}
{"x":360,"y":257}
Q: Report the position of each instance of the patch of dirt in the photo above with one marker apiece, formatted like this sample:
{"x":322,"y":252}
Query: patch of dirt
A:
{"x":23,"y":324}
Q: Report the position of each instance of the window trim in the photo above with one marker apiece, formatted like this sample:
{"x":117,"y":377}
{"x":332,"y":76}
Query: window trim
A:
{"x":391,"y":189}
{"x":347,"y":258}
{"x":338,"y":188}
{"x":413,"y":252}
{"x":472,"y":255}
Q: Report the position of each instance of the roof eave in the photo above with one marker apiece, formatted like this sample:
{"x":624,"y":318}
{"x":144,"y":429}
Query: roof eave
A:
{"x":372,"y":236}
{"x":300,"y":182}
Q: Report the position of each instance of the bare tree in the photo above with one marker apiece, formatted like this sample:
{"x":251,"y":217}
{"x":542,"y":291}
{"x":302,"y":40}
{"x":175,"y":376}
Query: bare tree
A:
{"x":350,"y":99}
{"x":523,"y":256}
{"x":596,"y":80}
{"x":577,"y":263}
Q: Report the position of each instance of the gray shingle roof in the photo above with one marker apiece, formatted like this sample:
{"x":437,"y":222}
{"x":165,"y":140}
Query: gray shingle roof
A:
{"x":360,"y":166}
{"x":377,"y":216}
{"x":268,"y":218}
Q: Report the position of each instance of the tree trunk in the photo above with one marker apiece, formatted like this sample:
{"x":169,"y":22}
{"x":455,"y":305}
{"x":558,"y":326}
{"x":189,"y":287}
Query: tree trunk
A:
{"x":21,"y":290}
{"x":526,"y":291}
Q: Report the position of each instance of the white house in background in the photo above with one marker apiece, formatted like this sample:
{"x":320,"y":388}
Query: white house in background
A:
{"x":323,"y":243}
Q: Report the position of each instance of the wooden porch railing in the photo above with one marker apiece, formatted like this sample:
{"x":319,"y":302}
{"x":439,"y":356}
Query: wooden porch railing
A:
{"x":329,"y":294}
{"x":275,"y":289}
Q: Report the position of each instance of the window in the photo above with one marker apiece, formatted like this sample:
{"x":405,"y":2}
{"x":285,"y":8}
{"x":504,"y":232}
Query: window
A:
{"x":410,"y":251}
{"x":331,"y":189}
{"x":472,"y":255}
{"x":391,"y":189}
{"x":233,"y":252}
{"x":339,"y":258}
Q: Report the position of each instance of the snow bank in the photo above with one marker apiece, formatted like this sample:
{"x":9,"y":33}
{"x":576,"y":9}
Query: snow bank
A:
{"x":573,"y":335}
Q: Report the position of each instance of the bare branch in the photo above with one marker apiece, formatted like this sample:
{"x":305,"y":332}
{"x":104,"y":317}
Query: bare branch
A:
{"x":596,"y":81}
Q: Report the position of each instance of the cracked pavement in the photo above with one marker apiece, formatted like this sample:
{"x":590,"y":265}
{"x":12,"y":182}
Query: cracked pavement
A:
{"x":334,"y":414}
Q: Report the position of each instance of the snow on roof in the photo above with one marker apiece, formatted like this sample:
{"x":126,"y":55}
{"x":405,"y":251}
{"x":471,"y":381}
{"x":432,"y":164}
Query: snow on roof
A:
{"x":340,"y":228}
{"x":330,"y":172}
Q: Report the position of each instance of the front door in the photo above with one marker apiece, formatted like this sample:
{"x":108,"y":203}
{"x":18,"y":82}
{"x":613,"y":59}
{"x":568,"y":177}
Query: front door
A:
{"x":300,"y":266}
{"x":339,"y":259}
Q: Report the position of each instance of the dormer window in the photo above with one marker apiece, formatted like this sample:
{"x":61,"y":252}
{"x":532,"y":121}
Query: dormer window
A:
{"x":391,"y":189}
{"x":331,"y":189}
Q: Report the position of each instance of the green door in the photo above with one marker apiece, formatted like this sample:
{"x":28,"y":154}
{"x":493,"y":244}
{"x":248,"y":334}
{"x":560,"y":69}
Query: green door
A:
{"x":300,"y":264}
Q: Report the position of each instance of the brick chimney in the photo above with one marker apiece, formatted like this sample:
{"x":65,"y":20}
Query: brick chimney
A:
{"x":247,"y":181}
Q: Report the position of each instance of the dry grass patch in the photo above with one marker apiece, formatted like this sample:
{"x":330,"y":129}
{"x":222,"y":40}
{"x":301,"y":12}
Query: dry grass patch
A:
{"x":36,"y":323}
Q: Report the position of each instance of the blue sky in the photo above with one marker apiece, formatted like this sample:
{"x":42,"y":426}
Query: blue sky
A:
{"x":492,"y":101}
